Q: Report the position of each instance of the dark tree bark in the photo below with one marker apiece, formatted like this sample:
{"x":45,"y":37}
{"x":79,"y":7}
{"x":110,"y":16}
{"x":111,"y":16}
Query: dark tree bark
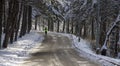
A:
{"x":24,"y":22}
{"x":72,"y":27}
{"x":58,"y":23}
{"x":1,"y":14}
{"x":10,"y":21}
{"x":12,"y":36}
{"x":16,"y":11}
{"x":29,"y":18}
{"x":76,"y":28}
{"x":114,"y":38}
{"x":85,"y":30}
{"x":102,"y":33}
{"x":116,"y":41}
{"x":36,"y":20}
{"x":48,"y":24}
{"x":18,"y":21}
{"x":52,"y":25}
{"x":67,"y":28}
{"x":43,"y":23}
{"x":63,"y":26}
{"x":4,"y":15}
{"x":92,"y":32}
{"x":79,"y":31}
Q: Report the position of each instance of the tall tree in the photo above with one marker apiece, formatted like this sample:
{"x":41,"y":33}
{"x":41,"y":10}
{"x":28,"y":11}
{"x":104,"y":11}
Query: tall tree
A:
{"x":29,"y":18}
{"x":1,"y":14}
{"x":67,"y":25}
{"x":92,"y":32}
{"x":63,"y":26}
{"x":10,"y":21}
{"x":16,"y":11}
{"x":36,"y":21}
{"x":24,"y":22}
{"x":17,"y":26}
{"x":58,"y":25}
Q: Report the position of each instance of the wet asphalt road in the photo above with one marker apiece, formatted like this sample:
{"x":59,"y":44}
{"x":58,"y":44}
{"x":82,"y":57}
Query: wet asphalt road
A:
{"x":56,"y":50}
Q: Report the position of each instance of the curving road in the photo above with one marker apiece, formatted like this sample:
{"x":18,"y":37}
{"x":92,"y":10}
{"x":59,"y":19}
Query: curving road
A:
{"x":56,"y":50}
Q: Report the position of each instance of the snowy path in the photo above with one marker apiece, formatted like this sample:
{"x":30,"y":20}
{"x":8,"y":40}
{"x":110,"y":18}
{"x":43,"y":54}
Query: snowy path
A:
{"x":56,"y":50}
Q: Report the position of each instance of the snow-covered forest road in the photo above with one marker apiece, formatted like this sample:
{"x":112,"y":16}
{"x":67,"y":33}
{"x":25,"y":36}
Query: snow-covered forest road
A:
{"x":56,"y":50}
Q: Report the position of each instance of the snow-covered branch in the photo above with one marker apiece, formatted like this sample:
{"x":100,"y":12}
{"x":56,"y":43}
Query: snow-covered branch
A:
{"x":110,"y":30}
{"x":85,"y":2}
{"x":69,"y":12}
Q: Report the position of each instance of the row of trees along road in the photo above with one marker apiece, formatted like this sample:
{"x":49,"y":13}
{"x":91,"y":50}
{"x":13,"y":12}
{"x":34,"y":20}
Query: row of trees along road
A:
{"x":15,"y":20}
{"x":95,"y":20}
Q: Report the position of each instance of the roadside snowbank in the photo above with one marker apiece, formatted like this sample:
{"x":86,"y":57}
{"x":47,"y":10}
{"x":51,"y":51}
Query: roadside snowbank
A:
{"x":19,"y":50}
{"x":84,"y":48}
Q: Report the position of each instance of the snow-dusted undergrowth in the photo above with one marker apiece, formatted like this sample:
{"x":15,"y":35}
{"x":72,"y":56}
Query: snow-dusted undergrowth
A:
{"x":19,"y":50}
{"x":84,"y":48}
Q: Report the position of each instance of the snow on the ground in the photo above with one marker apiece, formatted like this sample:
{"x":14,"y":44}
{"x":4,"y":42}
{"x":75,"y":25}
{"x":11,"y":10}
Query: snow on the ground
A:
{"x":19,"y":50}
{"x":84,"y":48}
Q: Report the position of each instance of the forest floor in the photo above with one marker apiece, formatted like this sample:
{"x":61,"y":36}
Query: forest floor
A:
{"x":56,"y":50}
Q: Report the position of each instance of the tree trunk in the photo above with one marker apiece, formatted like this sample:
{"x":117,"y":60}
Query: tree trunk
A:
{"x":10,"y":21}
{"x":84,"y":33}
{"x":52,"y":25}
{"x":7,"y":31}
{"x":43,"y":23}
{"x":102,"y":33}
{"x":76,"y":28}
{"x":36,"y":20}
{"x":4,"y":14}
{"x":1,"y":14}
{"x":63,"y":26}
{"x":18,"y":21}
{"x":24,"y":22}
{"x":29,"y":18}
{"x":16,"y":11}
{"x":79,"y":30}
{"x":72,"y":27}
{"x":67,"y":28}
{"x":12,"y":36}
{"x":58,"y":25}
{"x":116,"y":41}
{"x":92,"y":33}
{"x":49,"y":22}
